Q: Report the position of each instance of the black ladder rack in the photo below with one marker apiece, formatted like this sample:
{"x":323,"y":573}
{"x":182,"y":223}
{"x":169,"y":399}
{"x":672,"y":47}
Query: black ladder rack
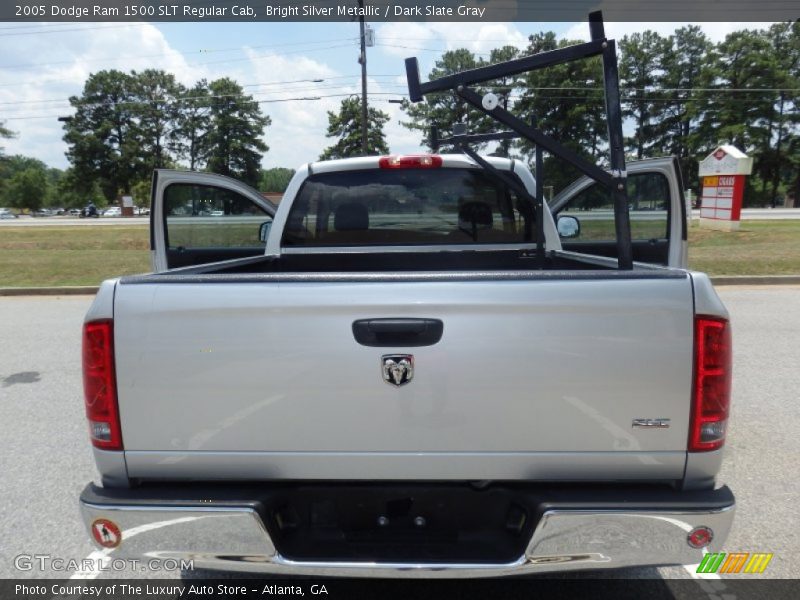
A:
{"x":614,"y":180}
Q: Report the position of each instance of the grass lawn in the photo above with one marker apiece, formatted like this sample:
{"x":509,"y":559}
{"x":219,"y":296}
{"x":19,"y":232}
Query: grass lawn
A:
{"x":758,"y":248}
{"x":71,"y":255}
{"x":85,"y":255}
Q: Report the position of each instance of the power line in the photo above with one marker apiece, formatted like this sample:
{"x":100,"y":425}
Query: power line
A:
{"x":65,"y":101}
{"x":438,"y":50}
{"x":270,"y":101}
{"x":48,"y":30}
{"x":177,"y":100}
{"x":200,"y":64}
{"x":182,"y":52}
{"x":410,"y":39}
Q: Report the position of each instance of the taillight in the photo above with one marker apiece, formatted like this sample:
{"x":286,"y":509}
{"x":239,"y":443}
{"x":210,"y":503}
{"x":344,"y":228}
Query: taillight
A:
{"x":712,"y":384}
{"x":100,"y":386}
{"x":410,"y":161}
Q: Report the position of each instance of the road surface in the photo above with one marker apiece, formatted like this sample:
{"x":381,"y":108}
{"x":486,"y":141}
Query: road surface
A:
{"x":45,"y":458}
{"x":753,"y":214}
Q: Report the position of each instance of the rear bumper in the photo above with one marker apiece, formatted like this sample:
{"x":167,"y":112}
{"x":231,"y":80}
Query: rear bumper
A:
{"x":569,"y":529}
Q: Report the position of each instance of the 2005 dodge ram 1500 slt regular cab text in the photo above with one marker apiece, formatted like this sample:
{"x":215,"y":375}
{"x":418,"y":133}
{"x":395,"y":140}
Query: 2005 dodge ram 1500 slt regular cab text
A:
{"x":380,"y":377}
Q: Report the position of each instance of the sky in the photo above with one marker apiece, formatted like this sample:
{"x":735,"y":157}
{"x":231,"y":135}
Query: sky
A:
{"x":43,"y":64}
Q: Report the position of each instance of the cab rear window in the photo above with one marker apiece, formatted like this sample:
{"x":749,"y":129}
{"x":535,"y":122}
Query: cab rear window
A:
{"x":406,"y":207}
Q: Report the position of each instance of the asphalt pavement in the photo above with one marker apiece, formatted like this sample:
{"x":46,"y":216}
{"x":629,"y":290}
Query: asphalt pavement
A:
{"x":45,"y":458}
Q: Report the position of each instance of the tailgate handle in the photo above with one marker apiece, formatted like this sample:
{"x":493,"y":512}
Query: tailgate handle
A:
{"x":397,"y":332}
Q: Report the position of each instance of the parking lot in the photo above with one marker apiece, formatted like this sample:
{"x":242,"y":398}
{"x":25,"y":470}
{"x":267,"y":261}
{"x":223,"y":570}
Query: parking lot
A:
{"x":46,"y":459}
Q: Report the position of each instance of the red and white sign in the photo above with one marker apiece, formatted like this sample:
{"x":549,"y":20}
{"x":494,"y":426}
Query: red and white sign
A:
{"x":722,"y":197}
{"x":722,"y":174}
{"x":106,"y":533}
{"x":726,"y":160}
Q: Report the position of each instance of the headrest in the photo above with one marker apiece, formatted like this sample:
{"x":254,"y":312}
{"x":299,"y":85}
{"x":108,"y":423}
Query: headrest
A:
{"x":351,"y":216}
{"x":474,"y":215}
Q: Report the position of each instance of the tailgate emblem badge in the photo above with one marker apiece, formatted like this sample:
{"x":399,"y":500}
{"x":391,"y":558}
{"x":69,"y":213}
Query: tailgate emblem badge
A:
{"x":398,"y":369}
{"x":650,"y":423}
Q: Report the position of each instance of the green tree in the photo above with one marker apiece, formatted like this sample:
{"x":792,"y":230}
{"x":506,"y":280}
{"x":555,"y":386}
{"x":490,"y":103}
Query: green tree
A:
{"x":275,"y":180}
{"x":641,"y":71}
{"x":75,"y":192}
{"x":28,"y":188}
{"x":567,"y":101}
{"x":140,"y":191}
{"x":10,"y":167}
{"x":155,"y":110}
{"x":741,"y":110}
{"x":345,"y":127}
{"x":506,"y":87}
{"x":730,"y":113}
{"x":53,"y":179}
{"x":793,"y":167}
{"x":782,"y":122}
{"x":192,"y":125}
{"x":102,"y":134}
{"x":6,"y":134}
{"x":443,"y":110}
{"x":235,"y":147}
{"x":682,"y":63}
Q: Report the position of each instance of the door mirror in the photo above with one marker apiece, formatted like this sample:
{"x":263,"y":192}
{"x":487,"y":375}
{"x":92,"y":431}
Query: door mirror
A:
{"x":263,"y":231}
{"x":568,"y":227}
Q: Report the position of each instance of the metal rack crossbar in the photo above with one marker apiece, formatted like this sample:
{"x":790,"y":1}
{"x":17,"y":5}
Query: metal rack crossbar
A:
{"x":614,"y":180}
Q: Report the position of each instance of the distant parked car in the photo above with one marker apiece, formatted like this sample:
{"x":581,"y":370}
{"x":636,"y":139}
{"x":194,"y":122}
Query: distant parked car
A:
{"x":114,"y":211}
{"x":58,"y":211}
{"x":42,"y":212}
{"x":7,"y":215}
{"x":90,"y":210}
{"x":74,"y":212}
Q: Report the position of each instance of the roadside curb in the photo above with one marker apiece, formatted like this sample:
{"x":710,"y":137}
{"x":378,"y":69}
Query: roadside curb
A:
{"x":756,"y":280}
{"x":74,"y":290}
{"x":90,"y":290}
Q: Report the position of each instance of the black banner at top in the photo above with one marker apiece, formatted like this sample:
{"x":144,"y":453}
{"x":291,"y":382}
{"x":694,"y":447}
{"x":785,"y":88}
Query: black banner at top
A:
{"x":397,"y":10}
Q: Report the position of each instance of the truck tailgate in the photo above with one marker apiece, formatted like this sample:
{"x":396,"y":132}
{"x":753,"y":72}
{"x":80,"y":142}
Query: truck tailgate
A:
{"x":532,"y":379}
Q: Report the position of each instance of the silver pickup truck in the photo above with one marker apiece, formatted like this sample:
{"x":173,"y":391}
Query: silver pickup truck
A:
{"x":380,"y":376}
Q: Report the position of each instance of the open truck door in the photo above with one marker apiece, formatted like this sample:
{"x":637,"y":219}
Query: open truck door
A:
{"x":584,"y":214}
{"x":201,"y":218}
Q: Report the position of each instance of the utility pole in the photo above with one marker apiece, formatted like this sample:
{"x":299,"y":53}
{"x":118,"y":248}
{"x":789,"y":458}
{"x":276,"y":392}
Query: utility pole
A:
{"x":363,"y":60}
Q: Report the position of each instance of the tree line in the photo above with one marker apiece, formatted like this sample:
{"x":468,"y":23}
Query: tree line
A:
{"x":127,"y":124}
{"x":681,"y":95}
{"x":27,"y":183}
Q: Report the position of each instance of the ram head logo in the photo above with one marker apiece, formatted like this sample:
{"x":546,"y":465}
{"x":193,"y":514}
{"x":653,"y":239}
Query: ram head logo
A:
{"x":398,"y":369}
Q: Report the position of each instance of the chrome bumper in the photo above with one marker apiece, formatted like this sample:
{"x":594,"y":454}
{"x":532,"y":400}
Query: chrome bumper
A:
{"x":234,"y":538}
